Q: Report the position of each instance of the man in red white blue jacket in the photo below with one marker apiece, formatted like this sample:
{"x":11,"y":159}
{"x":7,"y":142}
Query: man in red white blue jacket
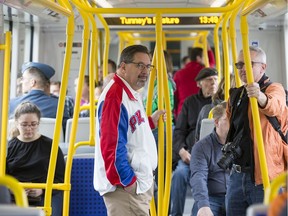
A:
{"x":125,"y":153}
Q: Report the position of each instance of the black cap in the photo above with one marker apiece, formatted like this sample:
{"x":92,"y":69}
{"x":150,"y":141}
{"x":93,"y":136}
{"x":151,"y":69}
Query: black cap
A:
{"x":206,"y":72}
{"x":47,"y":70}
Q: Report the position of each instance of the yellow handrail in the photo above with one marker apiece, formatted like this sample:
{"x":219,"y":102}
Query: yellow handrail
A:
{"x":152,"y":79}
{"x":225,"y":43}
{"x":159,"y":65}
{"x":92,"y":60}
{"x":16,"y":188}
{"x":217,"y":48}
{"x":71,"y":149}
{"x":107,"y":45}
{"x":254,"y":104}
{"x":253,"y":5}
{"x":66,"y":68}
{"x":55,"y":7}
{"x":233,"y":44}
{"x":5,"y":102}
{"x":272,"y":191}
{"x":157,"y":10}
{"x":59,"y":117}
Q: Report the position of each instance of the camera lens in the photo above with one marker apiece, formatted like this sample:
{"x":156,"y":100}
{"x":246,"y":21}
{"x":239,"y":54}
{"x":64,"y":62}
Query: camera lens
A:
{"x":226,"y":161}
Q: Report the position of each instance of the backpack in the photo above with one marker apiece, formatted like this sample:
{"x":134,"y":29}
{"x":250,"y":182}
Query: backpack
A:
{"x":273,"y":120}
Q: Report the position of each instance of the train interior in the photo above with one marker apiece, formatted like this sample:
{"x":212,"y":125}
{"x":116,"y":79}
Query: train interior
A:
{"x":39,"y":34}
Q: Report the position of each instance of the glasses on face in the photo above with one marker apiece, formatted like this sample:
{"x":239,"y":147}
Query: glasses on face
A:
{"x":142,"y":66}
{"x":239,"y":65}
{"x":25,"y":125}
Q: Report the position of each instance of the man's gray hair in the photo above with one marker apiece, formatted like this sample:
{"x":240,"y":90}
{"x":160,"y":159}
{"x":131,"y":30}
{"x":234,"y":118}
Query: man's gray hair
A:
{"x":260,"y":53}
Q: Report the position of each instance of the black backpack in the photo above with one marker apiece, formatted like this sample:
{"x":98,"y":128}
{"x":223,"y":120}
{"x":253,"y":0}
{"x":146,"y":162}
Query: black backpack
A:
{"x":273,"y":120}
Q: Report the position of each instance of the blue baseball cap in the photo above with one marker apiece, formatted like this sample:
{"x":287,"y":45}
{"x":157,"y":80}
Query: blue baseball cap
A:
{"x":47,"y":70}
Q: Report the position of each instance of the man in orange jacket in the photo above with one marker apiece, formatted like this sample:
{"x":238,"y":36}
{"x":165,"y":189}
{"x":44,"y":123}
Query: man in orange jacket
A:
{"x":246,"y":184}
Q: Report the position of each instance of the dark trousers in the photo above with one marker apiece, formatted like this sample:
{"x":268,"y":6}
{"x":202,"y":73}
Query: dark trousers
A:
{"x":241,"y":193}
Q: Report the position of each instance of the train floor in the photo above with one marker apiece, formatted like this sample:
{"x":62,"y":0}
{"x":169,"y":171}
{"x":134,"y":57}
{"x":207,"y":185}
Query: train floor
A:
{"x":188,"y":206}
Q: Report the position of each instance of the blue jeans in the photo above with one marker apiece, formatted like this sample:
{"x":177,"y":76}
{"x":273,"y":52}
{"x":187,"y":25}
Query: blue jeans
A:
{"x":180,"y":180}
{"x":217,"y":206}
{"x":56,"y":203}
{"x":241,"y":193}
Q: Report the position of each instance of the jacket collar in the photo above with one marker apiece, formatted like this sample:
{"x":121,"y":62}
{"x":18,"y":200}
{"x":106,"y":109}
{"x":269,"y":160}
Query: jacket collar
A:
{"x":127,"y":88}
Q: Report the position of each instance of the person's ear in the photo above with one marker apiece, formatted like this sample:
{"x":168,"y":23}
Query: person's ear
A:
{"x":199,"y":84}
{"x":199,"y":59}
{"x":122,"y":67}
{"x":264,"y":66}
{"x":32,"y":83}
{"x":216,"y":122}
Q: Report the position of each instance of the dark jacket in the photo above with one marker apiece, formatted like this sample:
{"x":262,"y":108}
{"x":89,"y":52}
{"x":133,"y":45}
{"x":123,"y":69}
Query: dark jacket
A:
{"x":184,"y":132}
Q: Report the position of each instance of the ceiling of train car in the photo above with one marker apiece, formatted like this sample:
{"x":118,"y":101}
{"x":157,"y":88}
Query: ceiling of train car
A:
{"x":159,"y":3}
{"x":52,"y":21}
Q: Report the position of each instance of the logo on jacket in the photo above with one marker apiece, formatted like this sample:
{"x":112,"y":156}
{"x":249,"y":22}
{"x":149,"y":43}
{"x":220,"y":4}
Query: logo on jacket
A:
{"x":135,"y":119}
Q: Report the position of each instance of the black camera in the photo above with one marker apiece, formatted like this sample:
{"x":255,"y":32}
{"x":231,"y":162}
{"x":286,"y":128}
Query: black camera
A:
{"x":231,"y":151}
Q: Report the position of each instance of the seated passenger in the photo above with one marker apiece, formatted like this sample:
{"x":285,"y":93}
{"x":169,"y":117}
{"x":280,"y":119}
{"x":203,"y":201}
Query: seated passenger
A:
{"x":35,"y":80}
{"x":5,"y":197}
{"x":69,"y":102}
{"x":217,"y":98}
{"x":184,"y":136}
{"x":28,"y":156}
{"x":85,"y":95}
{"x":208,"y":181}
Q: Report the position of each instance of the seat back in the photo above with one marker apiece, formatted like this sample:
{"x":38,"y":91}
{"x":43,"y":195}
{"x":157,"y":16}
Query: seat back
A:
{"x":46,"y":127}
{"x":84,"y":200}
{"x":207,"y":126}
{"x":257,"y":209}
{"x":83,"y":130}
{"x":12,"y":210}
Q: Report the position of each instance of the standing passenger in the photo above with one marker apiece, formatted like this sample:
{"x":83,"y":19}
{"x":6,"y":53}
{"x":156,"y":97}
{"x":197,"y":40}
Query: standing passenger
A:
{"x":208,"y":181}
{"x":28,"y":156}
{"x":246,"y":183}
{"x":126,"y":154}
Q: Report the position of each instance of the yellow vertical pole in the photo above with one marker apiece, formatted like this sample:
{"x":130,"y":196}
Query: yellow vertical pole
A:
{"x":159,"y":53}
{"x":64,"y":83}
{"x":107,"y":45}
{"x":225,"y":42}
{"x":217,"y":48}
{"x":168,"y":142}
{"x":152,"y":79}
{"x":5,"y":104}
{"x":85,"y":43}
{"x":204,"y":46}
{"x":233,"y":45}
{"x":254,"y":104}
{"x":92,"y":60}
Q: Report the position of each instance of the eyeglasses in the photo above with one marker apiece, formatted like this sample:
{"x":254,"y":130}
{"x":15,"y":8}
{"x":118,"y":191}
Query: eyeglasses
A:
{"x":142,"y":66}
{"x":33,"y":125}
{"x":239,"y":65}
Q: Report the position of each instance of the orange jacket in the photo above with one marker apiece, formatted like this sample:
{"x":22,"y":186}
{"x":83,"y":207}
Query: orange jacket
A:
{"x":276,"y":150}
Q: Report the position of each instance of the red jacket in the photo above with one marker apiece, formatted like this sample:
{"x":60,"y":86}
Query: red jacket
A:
{"x":185,"y":81}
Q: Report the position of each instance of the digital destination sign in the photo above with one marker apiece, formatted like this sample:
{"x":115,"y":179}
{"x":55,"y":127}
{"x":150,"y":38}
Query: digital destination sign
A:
{"x":144,"y":21}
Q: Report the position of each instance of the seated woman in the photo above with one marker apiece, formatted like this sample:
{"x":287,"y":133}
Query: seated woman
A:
{"x":29,"y":155}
